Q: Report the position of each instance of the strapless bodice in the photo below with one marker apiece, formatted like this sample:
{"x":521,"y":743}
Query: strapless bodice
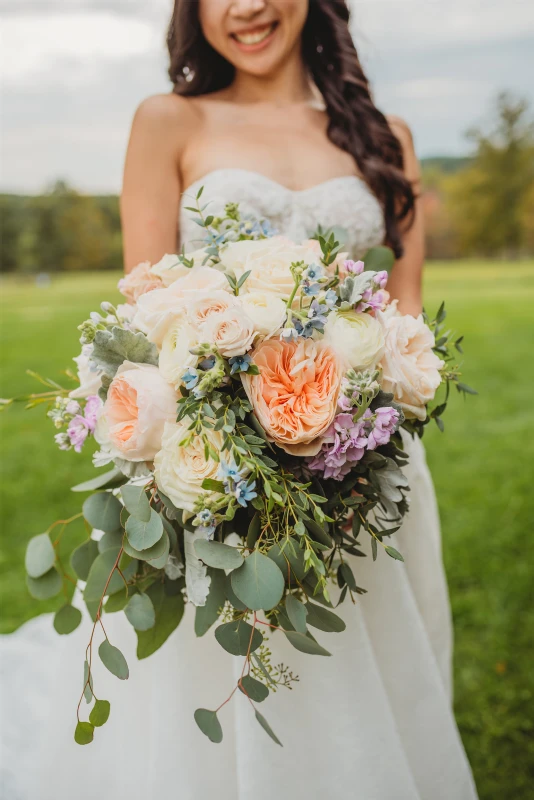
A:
{"x":345,"y":203}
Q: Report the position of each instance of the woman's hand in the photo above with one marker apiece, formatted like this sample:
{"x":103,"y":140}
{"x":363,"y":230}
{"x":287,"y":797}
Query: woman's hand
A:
{"x":406,"y":277}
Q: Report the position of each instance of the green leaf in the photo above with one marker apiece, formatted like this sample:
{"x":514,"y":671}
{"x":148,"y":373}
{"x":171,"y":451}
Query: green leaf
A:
{"x":111,"y":478}
{"x":393,"y":553}
{"x":463,"y":387}
{"x":259,"y":582}
{"x":323,"y":619}
{"x":87,"y":683}
{"x":306,"y":645}
{"x":235,"y":601}
{"x":40,"y":556}
{"x":103,"y":511}
{"x":318,"y":532}
{"x":218,"y":555}
{"x":169,"y":611}
{"x":99,"y":713}
{"x":281,"y":557}
{"x":348,"y":576}
{"x":99,"y":574}
{"x":254,"y":689}
{"x":235,"y":637}
{"x":113,"y":659}
{"x":83,"y":733}
{"x":156,"y":551}
{"x":136,"y":502}
{"x":143,"y":535}
{"x":267,"y":728}
{"x":48,"y":585}
{"x":253,"y":532}
{"x":297,"y":613}
{"x":111,"y":539}
{"x":379,"y":258}
{"x":67,"y":619}
{"x":140,"y":612}
{"x":209,"y":724}
{"x":117,"y":602}
{"x":207,"y":614}
{"x":112,"y":348}
{"x":374,"y":548}
{"x":212,"y":485}
{"x":83,"y":557}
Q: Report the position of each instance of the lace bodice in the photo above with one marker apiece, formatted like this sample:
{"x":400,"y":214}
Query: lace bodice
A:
{"x":345,"y":203}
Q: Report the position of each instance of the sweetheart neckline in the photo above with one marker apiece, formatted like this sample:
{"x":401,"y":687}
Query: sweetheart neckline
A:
{"x":266,"y":178}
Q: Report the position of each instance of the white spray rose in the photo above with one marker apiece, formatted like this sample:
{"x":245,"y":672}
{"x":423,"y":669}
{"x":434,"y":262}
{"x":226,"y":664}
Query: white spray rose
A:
{"x":357,"y":337}
{"x":232,"y":332}
{"x":411,"y":369}
{"x":267,"y":311}
{"x":90,"y":381}
{"x":174,"y":357}
{"x":179,"y":470}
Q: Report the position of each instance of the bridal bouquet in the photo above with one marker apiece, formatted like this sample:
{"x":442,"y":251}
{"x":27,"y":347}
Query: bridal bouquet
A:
{"x":249,"y":398}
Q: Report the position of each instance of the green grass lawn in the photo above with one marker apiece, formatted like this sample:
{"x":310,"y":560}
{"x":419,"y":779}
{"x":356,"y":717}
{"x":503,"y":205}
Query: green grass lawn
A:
{"x":483,"y":468}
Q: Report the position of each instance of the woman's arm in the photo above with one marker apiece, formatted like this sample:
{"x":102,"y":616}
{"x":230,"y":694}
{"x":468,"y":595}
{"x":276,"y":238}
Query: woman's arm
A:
{"x":150,"y":199}
{"x":406,"y":277}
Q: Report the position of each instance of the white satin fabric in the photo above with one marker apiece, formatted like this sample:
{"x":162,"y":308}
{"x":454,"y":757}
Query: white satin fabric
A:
{"x":373,"y":722}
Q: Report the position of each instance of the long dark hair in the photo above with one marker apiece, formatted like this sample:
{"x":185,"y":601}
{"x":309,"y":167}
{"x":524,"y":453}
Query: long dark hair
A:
{"x":355,"y":124}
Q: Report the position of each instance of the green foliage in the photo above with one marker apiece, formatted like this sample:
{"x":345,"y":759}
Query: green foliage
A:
{"x":267,"y":728}
{"x":306,"y":644}
{"x":103,"y":511}
{"x":82,"y":558}
{"x":143,"y":535}
{"x":238,"y":637}
{"x":209,"y":613}
{"x":40,"y":556}
{"x":101,"y":569}
{"x":169,"y":610}
{"x":83,"y":733}
{"x":136,"y":502}
{"x":140,"y":612}
{"x":113,"y":659}
{"x":67,"y":619}
{"x":218,"y":555}
{"x":99,"y":713}
{"x":323,"y":619}
{"x":46,"y":586}
{"x":258,"y":583}
{"x":209,"y":724}
{"x":297,"y":613}
{"x":254,"y":689}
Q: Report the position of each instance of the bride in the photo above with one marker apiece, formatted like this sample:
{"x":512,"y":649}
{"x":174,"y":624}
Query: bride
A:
{"x":270,"y":108}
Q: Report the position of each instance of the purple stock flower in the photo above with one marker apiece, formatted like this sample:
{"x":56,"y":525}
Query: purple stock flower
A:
{"x":354,"y":267}
{"x":92,"y":407}
{"x":386,"y":420}
{"x":78,"y":431}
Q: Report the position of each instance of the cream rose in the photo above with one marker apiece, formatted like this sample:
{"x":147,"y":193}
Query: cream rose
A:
{"x":231,"y":332}
{"x":138,"y":405}
{"x":174,"y":357}
{"x":179,"y":471}
{"x":411,"y":370}
{"x":357,"y":337}
{"x":205,"y":304}
{"x":269,"y":262}
{"x":266,"y":310}
{"x":138,"y":282}
{"x":170,"y":268}
{"x":156,"y":309}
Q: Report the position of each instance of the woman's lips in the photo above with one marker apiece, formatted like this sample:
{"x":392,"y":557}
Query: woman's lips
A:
{"x":255,"y":38}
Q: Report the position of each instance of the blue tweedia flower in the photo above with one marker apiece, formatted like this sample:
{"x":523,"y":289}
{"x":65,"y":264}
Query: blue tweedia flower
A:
{"x":204,"y":517}
{"x":230,"y":475}
{"x":190,"y":378}
{"x":330,"y":299}
{"x":239,"y":364}
{"x":244,"y":492}
{"x":205,"y":531}
{"x":289,"y":334}
{"x":317,"y":313}
{"x":207,"y":363}
{"x":311,"y":289}
{"x":314,"y":272}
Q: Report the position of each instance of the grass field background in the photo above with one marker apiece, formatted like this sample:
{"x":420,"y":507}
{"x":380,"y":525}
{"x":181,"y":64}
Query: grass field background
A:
{"x":483,"y":467}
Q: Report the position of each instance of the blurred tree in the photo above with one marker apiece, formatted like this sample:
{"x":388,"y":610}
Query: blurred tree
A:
{"x":488,"y":202}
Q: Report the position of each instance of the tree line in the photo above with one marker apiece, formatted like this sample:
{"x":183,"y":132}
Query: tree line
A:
{"x":482,"y":205}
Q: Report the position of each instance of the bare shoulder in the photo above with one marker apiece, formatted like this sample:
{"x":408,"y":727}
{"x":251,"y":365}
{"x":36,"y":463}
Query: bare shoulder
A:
{"x":165,"y":115}
{"x":402,"y":131}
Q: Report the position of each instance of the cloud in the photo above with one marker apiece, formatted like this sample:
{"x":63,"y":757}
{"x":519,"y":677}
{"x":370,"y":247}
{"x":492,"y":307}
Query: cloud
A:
{"x":74,"y":71}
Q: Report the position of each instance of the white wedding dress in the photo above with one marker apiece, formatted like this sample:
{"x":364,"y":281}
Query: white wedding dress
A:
{"x":374,"y":722}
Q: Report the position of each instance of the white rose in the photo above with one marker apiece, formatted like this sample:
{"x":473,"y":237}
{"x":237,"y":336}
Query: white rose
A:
{"x":267,"y":311}
{"x":269,"y":262}
{"x":203,"y":304}
{"x":179,"y":471}
{"x":90,"y":381}
{"x":156,"y":310}
{"x":411,"y":370}
{"x":174,"y":357}
{"x":357,"y":337}
{"x":169,"y":269}
{"x":232,"y":332}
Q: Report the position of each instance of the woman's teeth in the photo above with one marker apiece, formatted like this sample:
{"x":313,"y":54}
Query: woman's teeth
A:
{"x":255,"y":37}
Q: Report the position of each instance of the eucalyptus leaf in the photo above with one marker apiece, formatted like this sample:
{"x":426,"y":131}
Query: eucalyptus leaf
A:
{"x":258,"y":582}
{"x":281,"y":557}
{"x":136,"y":502}
{"x":103,"y":511}
{"x":297,"y":613}
{"x":87,"y":683}
{"x":230,"y":595}
{"x":110,"y":539}
{"x":209,"y":724}
{"x":267,"y":728}
{"x":83,"y":557}
{"x":160,"y":561}
{"x":40,"y":555}
{"x":209,"y":613}
{"x":254,"y":689}
{"x":83,"y":733}
{"x":100,"y":572}
{"x":236,"y":637}
{"x":218,"y":555}
{"x":143,"y":535}
{"x":305,"y":644}
{"x":99,"y":713}
{"x":111,"y":478}
{"x":324,"y":619}
{"x":67,"y":619}
{"x":348,"y":576}
{"x":379,"y":258}
{"x":393,"y":553}
{"x":113,"y":660}
{"x":156,"y":551}
{"x":117,"y":601}
{"x":140,"y":612}
{"x":253,"y":532}
{"x":48,"y":585}
{"x":169,"y":610}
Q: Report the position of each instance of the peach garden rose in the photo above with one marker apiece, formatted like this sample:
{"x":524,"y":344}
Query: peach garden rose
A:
{"x":295,"y":395}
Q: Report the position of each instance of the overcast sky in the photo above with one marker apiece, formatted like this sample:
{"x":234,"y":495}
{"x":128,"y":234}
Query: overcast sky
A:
{"x":73,"y":72}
